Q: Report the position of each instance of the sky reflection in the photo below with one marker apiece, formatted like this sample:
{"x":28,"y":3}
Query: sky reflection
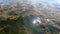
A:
{"x":5,"y":2}
{"x":54,"y":2}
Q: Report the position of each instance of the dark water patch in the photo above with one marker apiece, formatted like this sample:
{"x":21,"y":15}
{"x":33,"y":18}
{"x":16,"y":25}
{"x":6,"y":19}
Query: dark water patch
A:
{"x":53,"y":29}
{"x":57,"y":22}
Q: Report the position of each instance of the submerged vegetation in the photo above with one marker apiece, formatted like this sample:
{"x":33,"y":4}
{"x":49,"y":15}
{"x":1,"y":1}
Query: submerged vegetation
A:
{"x":18,"y":19}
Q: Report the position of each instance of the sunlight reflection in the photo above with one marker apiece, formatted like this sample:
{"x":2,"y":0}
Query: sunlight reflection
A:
{"x":38,"y":20}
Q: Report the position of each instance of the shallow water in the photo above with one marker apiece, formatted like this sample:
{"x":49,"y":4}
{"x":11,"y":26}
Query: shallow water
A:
{"x":29,"y":17}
